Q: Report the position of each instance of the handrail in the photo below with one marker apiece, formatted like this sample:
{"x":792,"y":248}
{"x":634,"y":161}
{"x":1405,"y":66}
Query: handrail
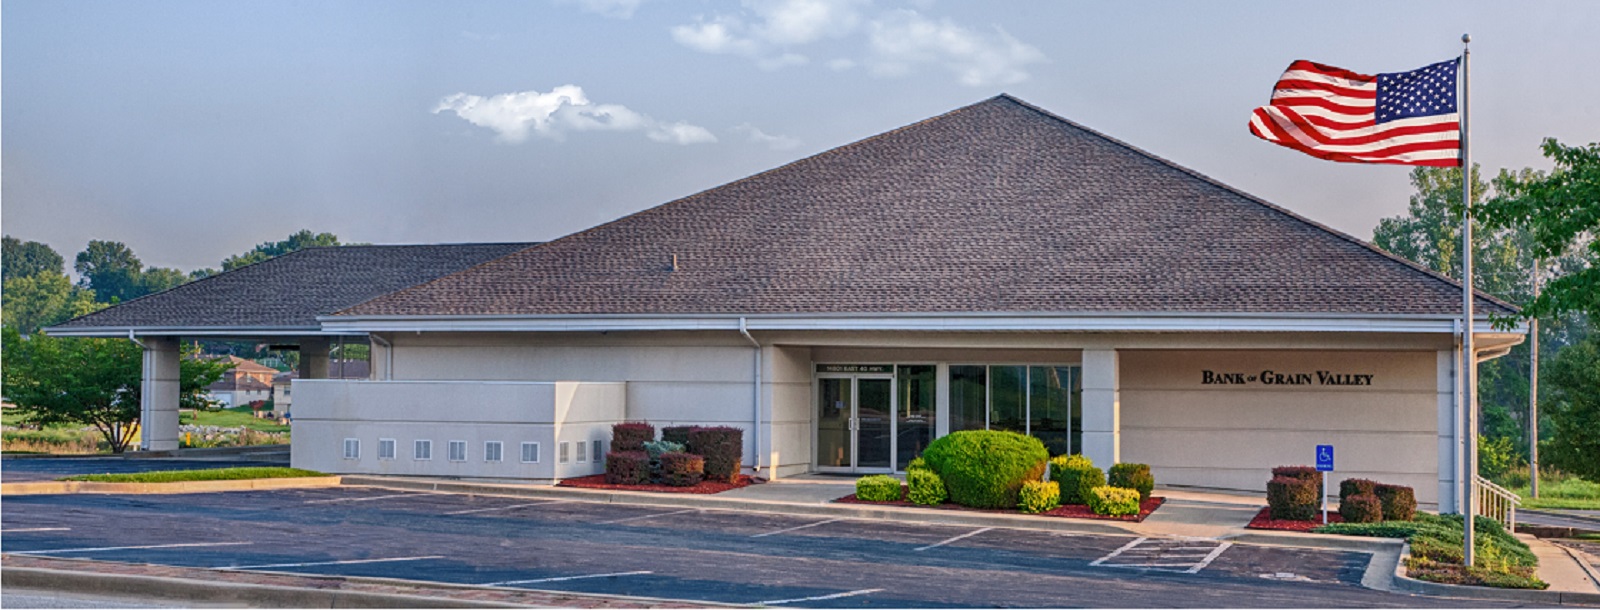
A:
{"x":1496,"y":502}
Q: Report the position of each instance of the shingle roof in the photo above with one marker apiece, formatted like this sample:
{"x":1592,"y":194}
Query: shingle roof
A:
{"x":293,"y":289}
{"x":995,"y":207}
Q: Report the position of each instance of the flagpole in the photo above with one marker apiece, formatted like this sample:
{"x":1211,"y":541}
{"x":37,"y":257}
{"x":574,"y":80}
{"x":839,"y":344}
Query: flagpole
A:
{"x":1469,"y":355}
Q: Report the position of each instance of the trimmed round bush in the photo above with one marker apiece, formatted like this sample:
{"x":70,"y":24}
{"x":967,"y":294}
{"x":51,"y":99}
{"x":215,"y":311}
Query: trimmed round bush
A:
{"x":1361,"y":508}
{"x":1132,"y":476}
{"x":627,"y":468}
{"x":1399,"y":502}
{"x":677,"y":434}
{"x":1354,"y":487}
{"x":917,"y":463}
{"x":1304,"y":473}
{"x":878,"y":488}
{"x":1076,"y":474}
{"x":986,"y":468}
{"x":1039,"y":496}
{"x":682,"y":469}
{"x":1085,"y":480}
{"x":723,"y":449}
{"x":1291,"y":498}
{"x":1114,"y":501}
{"x":925,"y":487}
{"x":631,"y":436}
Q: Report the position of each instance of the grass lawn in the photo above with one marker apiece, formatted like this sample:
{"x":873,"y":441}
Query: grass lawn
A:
{"x":214,"y":474}
{"x":1571,"y":493}
{"x":236,"y":417}
{"x":1502,"y":560}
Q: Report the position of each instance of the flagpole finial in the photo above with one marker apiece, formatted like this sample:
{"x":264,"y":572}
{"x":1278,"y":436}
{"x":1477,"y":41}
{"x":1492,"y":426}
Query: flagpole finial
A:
{"x":1466,"y":38}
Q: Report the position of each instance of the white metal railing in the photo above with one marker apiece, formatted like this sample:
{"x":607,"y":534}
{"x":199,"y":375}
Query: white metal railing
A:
{"x":1496,"y":502}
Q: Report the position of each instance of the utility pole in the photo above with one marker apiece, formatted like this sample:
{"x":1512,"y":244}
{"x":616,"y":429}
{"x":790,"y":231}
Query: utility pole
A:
{"x":1533,"y":393}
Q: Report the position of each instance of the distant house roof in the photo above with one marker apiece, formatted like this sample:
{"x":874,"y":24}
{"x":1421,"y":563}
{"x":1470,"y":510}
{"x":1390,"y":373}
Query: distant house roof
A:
{"x":249,"y":366}
{"x":239,"y":384}
{"x":996,"y":207}
{"x":337,"y":369}
{"x":286,"y":293}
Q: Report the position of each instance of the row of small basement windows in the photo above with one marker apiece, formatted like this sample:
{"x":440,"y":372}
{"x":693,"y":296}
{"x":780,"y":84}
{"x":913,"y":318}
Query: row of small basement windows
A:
{"x":493,"y":451}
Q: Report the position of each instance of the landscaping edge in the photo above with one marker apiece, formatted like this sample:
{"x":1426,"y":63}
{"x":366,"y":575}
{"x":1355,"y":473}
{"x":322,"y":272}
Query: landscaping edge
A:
{"x":34,"y":488}
{"x":1540,"y":596}
{"x":267,"y":596}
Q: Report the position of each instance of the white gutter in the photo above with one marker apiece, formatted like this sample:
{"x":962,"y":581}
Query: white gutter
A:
{"x":745,"y":330}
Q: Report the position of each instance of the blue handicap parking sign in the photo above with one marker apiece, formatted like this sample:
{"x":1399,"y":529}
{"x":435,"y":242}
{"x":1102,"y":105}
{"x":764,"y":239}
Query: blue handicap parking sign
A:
{"x":1325,"y":458}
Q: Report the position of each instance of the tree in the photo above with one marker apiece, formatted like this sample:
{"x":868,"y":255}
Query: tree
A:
{"x":27,"y":259}
{"x":111,"y":270}
{"x":29,"y":303}
{"x":1561,"y":212}
{"x":93,"y":382}
{"x":1572,"y":410}
{"x":157,"y":279}
{"x":298,"y":241}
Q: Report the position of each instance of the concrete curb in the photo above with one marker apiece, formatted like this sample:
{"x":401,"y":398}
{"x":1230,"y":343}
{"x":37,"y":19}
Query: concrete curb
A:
{"x":1365,"y":544}
{"x":1543,"y":597}
{"x":268,"y":596}
{"x":922,"y":515}
{"x":34,"y":488}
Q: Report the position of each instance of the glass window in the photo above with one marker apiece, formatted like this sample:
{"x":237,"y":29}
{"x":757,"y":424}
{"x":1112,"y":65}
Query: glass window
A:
{"x":385,"y":448}
{"x":422,"y":450}
{"x":1077,"y":410}
{"x":458,"y":451}
{"x":492,"y":451}
{"x":968,"y":398}
{"x":530,"y":453}
{"x":352,"y":449}
{"x":914,"y":412}
{"x":1008,"y":398}
{"x":1050,"y":407}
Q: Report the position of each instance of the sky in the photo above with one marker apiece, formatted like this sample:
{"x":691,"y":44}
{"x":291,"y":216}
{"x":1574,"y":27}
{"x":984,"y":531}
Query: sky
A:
{"x":193,"y":130}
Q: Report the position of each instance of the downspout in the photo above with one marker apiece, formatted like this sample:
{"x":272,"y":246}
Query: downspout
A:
{"x":744,"y":330}
{"x":388,"y":357}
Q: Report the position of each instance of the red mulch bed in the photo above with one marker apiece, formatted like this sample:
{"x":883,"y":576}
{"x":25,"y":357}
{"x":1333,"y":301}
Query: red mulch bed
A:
{"x":598,"y":481}
{"x":1070,"y":511}
{"x":1264,"y":521}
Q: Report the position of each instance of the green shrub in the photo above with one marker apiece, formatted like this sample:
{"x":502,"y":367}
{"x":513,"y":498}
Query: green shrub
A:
{"x":1398,"y":501}
{"x":1087,"y":479}
{"x":925,"y":486}
{"x":656,"y":448}
{"x":1292,"y":498}
{"x":627,"y":467}
{"x":677,"y":434}
{"x":1077,"y":475}
{"x":631,"y":436}
{"x":1039,"y":496}
{"x":878,"y":488}
{"x":986,"y":468}
{"x":723,"y":449}
{"x":682,"y":469}
{"x":1353,"y":487}
{"x":1361,"y":508}
{"x":1115,"y":501}
{"x":1075,"y":460}
{"x":917,"y":464}
{"x":1132,"y":476}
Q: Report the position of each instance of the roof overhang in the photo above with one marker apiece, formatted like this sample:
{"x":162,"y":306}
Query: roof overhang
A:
{"x":952,"y":322}
{"x":192,"y":331}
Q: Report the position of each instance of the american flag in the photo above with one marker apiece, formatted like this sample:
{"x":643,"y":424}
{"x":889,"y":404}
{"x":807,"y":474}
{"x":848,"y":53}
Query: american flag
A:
{"x":1406,"y":118}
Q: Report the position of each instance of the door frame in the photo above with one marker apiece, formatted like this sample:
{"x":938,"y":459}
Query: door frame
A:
{"x":855,"y":423}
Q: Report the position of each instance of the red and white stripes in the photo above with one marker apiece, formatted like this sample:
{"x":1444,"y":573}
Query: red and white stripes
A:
{"x":1330,"y":113}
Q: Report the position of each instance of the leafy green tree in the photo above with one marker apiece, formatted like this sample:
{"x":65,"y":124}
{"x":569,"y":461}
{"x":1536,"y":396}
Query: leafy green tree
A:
{"x":300,"y":240}
{"x":94,"y":382}
{"x":1561,"y":212}
{"x":1572,"y":410}
{"x":157,"y":279}
{"x":111,"y":270}
{"x":29,"y":303}
{"x":27,"y":259}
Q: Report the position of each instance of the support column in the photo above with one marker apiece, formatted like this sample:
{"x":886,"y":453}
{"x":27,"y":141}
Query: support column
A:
{"x":1449,"y":470}
{"x":314,"y":358}
{"x":1102,"y":407}
{"x":158,"y":395}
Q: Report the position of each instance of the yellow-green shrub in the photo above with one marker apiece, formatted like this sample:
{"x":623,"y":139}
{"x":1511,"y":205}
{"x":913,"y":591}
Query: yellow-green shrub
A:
{"x":1039,"y":496}
{"x":926,"y":487}
{"x":1115,"y":501}
{"x":878,"y":488}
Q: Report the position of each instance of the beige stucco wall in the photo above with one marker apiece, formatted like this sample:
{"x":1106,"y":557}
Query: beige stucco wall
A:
{"x":1230,"y":436}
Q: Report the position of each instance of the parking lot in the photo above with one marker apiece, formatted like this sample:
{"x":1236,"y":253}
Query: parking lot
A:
{"x":706,"y":555}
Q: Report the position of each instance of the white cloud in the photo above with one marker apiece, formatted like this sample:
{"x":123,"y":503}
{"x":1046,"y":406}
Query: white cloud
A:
{"x":902,"y":39}
{"x":770,"y":141}
{"x":514,"y":116}
{"x":615,"y":9}
{"x":899,"y":42}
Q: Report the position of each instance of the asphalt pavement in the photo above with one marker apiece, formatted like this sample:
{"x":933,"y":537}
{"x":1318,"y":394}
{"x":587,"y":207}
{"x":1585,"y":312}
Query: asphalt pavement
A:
{"x":681,"y":553}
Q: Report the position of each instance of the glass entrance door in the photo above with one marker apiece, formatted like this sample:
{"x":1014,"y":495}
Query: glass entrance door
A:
{"x":855,"y":423}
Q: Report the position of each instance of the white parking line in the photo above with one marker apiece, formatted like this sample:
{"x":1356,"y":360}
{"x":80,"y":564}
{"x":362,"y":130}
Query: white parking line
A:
{"x":366,"y":498}
{"x":1183,"y":557}
{"x":36,"y":529}
{"x":1119,"y":551}
{"x":128,"y":548}
{"x":953,"y":539}
{"x":561,"y":578}
{"x":774,"y":602}
{"x":513,"y":506}
{"x":1209,"y":558}
{"x":328,"y":563}
{"x":797,"y":527}
{"x":676,"y":512}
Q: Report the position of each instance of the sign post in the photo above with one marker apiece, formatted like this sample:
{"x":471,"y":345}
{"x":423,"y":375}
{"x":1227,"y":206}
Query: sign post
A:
{"x":1325,"y":465}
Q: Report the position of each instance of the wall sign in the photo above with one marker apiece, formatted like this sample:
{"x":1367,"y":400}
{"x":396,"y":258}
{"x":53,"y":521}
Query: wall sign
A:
{"x":1271,"y":377}
{"x":856,"y":368}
